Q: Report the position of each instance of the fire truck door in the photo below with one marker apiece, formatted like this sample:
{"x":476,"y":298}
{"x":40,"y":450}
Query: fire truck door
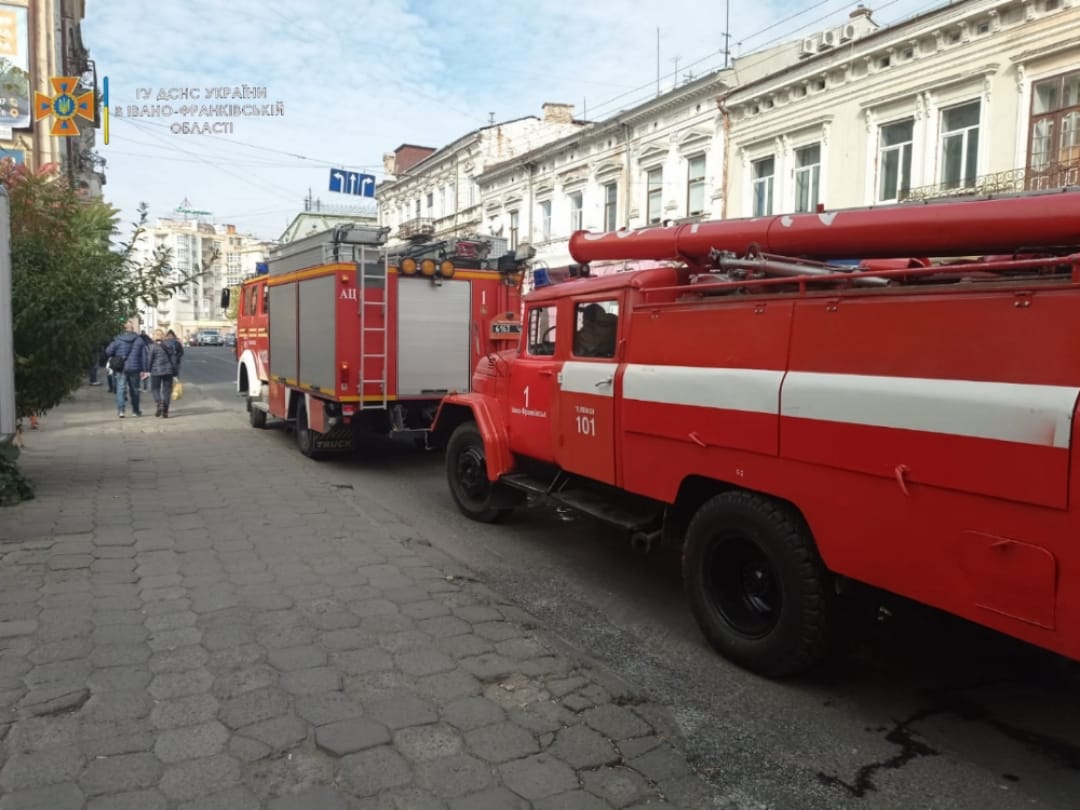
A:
{"x":586,"y":384}
{"x":532,"y":385}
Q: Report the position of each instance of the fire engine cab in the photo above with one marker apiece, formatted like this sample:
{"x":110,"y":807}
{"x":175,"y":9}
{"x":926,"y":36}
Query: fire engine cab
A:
{"x":336,"y":337}
{"x":806,"y":412}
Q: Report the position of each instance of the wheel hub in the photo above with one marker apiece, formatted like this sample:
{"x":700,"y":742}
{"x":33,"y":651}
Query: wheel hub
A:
{"x":743,"y":587}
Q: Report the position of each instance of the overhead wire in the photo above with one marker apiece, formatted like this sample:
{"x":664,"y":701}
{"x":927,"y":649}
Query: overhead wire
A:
{"x":277,"y":190}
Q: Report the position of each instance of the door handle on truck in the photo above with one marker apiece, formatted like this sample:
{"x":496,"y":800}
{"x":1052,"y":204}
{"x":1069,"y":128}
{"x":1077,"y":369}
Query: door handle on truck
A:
{"x":545,"y":372}
{"x":608,"y":381}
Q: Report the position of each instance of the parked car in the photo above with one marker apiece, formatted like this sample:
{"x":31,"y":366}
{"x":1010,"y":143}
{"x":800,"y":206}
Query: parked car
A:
{"x":210,"y":337}
{"x":230,"y":339}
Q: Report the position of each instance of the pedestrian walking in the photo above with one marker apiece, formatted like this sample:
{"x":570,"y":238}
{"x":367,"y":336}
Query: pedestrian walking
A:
{"x":163,"y":360}
{"x":127,"y":359}
{"x":145,"y":338}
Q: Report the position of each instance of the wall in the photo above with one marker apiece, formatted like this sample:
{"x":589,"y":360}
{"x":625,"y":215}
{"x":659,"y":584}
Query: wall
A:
{"x":985,"y":53}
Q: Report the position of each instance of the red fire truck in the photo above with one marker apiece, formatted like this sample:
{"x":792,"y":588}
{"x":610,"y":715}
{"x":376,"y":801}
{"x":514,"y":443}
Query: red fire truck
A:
{"x":335,"y":337}
{"x":805,"y":412}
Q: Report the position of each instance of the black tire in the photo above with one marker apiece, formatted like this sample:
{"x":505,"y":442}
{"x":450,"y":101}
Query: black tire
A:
{"x":256,"y":416}
{"x":305,"y":438}
{"x":756,"y":584}
{"x":466,"y":473}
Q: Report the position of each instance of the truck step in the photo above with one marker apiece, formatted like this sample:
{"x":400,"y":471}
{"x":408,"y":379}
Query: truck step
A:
{"x":634,"y":516}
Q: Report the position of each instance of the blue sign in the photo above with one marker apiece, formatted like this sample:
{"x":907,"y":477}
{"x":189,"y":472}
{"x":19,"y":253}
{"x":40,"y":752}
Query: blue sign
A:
{"x":362,"y":185}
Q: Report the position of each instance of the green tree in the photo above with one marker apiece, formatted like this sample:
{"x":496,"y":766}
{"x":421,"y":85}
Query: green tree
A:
{"x":233,"y":311}
{"x":73,"y":284}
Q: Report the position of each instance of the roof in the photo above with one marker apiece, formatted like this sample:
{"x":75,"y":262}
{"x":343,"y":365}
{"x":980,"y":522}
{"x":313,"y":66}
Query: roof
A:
{"x":882,"y":32}
{"x":598,"y":128}
{"x":443,"y":151}
{"x":636,"y":279}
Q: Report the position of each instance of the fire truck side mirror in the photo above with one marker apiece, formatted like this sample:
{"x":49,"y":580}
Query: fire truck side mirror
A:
{"x":225,"y":298}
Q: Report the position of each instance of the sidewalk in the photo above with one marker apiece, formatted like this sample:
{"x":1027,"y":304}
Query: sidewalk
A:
{"x":190,"y":619}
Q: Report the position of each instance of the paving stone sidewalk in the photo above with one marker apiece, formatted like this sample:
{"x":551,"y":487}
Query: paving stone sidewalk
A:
{"x":191,"y":618}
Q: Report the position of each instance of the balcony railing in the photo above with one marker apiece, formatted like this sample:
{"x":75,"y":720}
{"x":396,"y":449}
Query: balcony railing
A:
{"x":1053,"y":175}
{"x":419,"y":228}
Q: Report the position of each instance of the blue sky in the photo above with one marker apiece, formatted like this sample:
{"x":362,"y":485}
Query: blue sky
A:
{"x":359,"y":77}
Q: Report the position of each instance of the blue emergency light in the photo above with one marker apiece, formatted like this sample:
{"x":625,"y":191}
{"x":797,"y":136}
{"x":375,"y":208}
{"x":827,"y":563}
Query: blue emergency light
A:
{"x":262,"y":268}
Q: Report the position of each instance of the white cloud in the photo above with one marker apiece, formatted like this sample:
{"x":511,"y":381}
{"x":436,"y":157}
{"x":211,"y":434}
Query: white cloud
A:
{"x":359,"y":78}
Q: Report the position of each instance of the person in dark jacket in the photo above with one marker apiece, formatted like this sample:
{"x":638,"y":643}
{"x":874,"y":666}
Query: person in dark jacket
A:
{"x":147,"y":341}
{"x":129,"y":348}
{"x":164,"y":364}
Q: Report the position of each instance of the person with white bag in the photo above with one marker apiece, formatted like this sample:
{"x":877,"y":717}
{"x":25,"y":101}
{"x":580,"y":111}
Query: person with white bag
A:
{"x":164,"y":369}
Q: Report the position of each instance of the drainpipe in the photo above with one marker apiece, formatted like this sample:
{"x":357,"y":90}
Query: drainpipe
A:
{"x":626,"y":175}
{"x":725,"y":117}
{"x":529,"y":167}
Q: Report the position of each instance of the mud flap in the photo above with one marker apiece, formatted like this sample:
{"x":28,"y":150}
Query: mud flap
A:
{"x":340,"y":439}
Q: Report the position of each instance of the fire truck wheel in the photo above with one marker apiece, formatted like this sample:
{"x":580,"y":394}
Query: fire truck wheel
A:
{"x":305,"y":438}
{"x":256,"y":416}
{"x":466,"y":473}
{"x":756,"y":584}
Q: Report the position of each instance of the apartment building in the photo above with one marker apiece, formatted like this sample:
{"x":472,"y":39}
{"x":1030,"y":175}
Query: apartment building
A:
{"x":193,"y":243}
{"x":973,"y":97}
{"x":433,"y":194}
{"x":659,"y":162}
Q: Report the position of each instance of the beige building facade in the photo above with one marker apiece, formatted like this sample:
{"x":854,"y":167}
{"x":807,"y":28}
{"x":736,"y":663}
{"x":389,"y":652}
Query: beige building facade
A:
{"x":659,"y":162}
{"x":974,"y":97}
{"x":433,"y":194}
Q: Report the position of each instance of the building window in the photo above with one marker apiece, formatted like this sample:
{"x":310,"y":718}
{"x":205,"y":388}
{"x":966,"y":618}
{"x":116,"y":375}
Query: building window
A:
{"x":695,"y":186}
{"x":1054,"y":142}
{"x":232,"y":269}
{"x":545,"y":220}
{"x":807,"y":178}
{"x":894,"y":160}
{"x":959,"y":145}
{"x":654,"y":195}
{"x":576,"y":206}
{"x":430,"y":204}
{"x":611,"y":201}
{"x":764,"y":172}
{"x":513,"y":230}
{"x":450,"y":206}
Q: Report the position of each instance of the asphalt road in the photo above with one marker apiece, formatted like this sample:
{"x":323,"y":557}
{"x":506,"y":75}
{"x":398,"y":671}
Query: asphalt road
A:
{"x":921,"y":711}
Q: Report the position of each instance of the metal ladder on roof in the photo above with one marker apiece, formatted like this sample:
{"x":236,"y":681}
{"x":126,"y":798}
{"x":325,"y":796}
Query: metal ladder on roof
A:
{"x":372,"y":274}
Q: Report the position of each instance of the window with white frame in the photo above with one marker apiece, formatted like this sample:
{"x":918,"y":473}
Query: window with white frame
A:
{"x":232,"y":267}
{"x":807,"y":178}
{"x":611,"y":202}
{"x":960,"y":145}
{"x":695,"y":185}
{"x":894,"y":160}
{"x":450,"y":203}
{"x":576,"y":206}
{"x":763,"y":172}
{"x":654,"y":195}
{"x":430,"y":207}
{"x":545,"y":220}
{"x":514,"y":230}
